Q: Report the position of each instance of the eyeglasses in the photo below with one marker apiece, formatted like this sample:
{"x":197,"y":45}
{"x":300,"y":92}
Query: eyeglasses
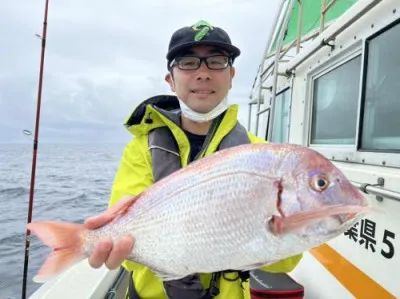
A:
{"x":216,"y":62}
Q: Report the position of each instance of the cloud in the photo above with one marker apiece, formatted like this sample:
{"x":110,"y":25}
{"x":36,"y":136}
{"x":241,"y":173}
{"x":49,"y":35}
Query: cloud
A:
{"x":102,"y":59}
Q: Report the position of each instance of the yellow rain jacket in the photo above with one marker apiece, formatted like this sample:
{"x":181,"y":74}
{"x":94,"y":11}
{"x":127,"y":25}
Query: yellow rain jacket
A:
{"x":135,"y":175}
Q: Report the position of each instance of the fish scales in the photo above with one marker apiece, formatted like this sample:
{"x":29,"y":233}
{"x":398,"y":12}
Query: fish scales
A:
{"x":204,"y":219}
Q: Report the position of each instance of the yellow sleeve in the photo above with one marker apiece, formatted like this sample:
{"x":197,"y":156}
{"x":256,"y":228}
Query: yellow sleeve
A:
{"x":255,"y":139}
{"x":134,"y":175}
{"x":285,"y":265}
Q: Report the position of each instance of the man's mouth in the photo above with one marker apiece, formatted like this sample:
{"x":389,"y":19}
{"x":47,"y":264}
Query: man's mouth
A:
{"x":203,"y":91}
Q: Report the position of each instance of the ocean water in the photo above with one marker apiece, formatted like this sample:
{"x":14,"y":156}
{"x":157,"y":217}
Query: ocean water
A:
{"x":73,"y":182}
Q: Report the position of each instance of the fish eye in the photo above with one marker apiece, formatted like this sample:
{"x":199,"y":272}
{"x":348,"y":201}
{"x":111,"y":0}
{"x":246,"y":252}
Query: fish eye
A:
{"x":319,"y":183}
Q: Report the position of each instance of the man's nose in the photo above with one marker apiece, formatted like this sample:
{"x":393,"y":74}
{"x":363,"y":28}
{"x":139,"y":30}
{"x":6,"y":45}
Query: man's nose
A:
{"x":203,"y":72}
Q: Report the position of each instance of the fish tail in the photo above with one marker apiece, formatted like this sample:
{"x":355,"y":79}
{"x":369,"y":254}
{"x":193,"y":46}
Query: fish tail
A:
{"x":65,"y":240}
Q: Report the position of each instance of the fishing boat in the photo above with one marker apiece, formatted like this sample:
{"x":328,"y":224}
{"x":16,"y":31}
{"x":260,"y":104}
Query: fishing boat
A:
{"x":328,"y":79}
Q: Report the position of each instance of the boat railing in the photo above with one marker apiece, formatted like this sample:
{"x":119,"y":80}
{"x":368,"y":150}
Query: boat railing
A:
{"x":378,"y":190}
{"x":318,"y":43}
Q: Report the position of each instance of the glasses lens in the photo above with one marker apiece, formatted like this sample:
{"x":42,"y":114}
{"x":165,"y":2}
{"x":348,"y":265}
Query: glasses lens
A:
{"x":217,"y":62}
{"x":188,"y":63}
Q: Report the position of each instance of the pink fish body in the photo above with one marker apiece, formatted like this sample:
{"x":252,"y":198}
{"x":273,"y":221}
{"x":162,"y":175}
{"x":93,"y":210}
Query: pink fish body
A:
{"x":240,"y":208}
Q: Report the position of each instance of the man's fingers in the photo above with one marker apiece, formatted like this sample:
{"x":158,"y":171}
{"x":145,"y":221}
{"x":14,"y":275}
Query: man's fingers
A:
{"x":120,"y":252}
{"x":96,"y":221}
{"x":100,"y":254}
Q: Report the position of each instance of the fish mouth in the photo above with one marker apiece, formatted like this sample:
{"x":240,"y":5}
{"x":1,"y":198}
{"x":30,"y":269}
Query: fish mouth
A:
{"x":342,"y":217}
{"x":344,"y":222}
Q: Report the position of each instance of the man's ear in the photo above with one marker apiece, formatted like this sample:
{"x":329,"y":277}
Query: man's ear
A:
{"x":232,"y":72}
{"x":170,"y":80}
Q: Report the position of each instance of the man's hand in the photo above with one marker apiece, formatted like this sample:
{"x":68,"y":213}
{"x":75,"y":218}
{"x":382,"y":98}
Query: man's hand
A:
{"x":105,"y":252}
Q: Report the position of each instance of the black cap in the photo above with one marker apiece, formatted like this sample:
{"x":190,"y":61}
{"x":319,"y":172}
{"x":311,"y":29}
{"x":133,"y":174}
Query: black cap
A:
{"x":201,"y":33}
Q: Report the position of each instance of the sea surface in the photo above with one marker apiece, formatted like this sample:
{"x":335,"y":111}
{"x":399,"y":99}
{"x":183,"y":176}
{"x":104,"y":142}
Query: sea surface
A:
{"x":73,"y":182}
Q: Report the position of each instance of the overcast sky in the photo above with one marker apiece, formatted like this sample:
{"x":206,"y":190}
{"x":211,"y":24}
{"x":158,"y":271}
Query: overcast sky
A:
{"x":102,"y":59}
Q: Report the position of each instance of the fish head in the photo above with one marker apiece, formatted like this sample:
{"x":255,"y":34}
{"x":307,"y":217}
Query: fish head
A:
{"x":316,"y":199}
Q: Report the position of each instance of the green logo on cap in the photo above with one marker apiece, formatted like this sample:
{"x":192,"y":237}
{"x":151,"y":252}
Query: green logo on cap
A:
{"x":203,"y":27}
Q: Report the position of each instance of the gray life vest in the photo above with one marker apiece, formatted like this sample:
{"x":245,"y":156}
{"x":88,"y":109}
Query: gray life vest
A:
{"x":165,"y":152}
{"x":165,"y":157}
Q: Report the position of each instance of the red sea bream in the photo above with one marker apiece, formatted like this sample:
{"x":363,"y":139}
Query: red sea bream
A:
{"x":240,"y":208}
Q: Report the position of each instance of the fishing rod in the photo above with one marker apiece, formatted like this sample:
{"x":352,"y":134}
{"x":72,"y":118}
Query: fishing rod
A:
{"x":35,"y":147}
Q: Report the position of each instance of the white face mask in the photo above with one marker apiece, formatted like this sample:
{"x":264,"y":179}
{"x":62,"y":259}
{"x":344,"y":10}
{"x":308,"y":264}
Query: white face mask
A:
{"x":203,"y":117}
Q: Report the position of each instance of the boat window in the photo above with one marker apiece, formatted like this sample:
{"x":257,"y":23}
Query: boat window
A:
{"x":381,"y":104}
{"x":280,"y":128}
{"x":335,"y":102}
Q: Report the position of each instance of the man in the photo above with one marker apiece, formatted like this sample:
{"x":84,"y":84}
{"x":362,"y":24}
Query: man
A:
{"x":171,"y":132}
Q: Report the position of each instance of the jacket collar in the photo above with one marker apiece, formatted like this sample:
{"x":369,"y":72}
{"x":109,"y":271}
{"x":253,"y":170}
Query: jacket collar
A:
{"x":164,"y":110}
{"x":166,"y":104}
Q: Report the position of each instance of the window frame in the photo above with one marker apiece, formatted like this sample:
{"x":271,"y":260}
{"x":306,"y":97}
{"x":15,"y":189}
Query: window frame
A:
{"x":363,"y":90}
{"x":339,"y":63}
{"x":287,"y":87}
{"x":341,"y":152}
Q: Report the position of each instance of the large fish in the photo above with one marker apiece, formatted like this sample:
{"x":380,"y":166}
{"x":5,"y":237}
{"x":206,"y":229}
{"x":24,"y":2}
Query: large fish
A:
{"x":240,"y":208}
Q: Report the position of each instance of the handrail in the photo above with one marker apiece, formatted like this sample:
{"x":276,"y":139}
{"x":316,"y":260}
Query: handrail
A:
{"x":113,"y":290}
{"x":322,"y":41}
{"x":270,"y":41}
{"x":378,"y":191}
{"x":275,"y":70}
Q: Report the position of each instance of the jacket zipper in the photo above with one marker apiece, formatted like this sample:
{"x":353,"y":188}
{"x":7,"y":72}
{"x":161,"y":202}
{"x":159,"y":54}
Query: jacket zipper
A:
{"x":210,"y":135}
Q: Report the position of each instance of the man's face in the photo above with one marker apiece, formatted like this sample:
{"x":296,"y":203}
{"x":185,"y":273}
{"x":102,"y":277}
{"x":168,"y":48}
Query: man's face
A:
{"x":204,"y":88}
